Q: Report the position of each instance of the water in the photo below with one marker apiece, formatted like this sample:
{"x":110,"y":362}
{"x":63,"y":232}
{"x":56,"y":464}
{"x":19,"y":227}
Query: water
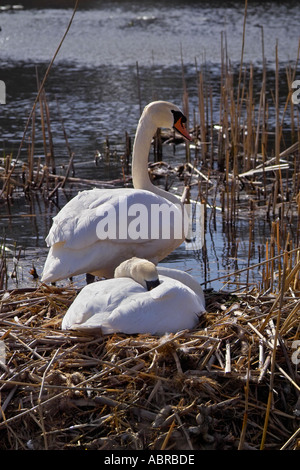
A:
{"x":117,"y":33}
{"x":94,"y":80}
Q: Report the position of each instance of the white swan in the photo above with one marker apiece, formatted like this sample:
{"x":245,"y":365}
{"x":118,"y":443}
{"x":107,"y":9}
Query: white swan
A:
{"x":96,"y":230}
{"x":140,"y":299}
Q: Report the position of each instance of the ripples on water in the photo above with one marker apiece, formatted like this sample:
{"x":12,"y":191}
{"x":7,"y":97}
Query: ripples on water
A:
{"x":121,"y":32}
{"x":94,"y":79}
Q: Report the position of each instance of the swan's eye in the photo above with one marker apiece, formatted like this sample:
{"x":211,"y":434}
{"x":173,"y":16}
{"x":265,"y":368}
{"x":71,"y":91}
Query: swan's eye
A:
{"x":179,"y":124}
{"x":177,"y":116}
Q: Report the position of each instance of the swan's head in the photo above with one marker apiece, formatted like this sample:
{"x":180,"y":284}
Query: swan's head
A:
{"x":167,"y":115}
{"x":141,"y":270}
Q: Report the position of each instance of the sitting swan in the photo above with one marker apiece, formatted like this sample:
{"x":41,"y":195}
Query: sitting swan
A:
{"x":79,"y":240}
{"x":139,"y":299}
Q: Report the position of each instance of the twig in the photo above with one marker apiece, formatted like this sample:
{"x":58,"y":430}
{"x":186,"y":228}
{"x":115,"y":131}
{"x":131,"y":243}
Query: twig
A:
{"x":26,"y":346}
{"x":296,"y":433}
{"x":45,"y":373}
{"x":227,"y":358}
{"x":166,"y":440}
{"x":272,"y":377}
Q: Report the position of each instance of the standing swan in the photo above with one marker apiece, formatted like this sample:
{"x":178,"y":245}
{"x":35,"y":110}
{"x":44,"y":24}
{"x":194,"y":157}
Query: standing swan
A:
{"x":138,"y":300}
{"x":96,"y":231}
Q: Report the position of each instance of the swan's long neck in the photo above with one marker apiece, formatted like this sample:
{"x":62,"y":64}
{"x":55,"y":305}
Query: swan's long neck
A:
{"x":141,"y":148}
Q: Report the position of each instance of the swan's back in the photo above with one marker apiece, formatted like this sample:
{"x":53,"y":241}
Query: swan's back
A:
{"x":185,"y":278}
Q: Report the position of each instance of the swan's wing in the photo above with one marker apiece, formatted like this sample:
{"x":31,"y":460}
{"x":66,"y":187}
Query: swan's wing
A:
{"x":167,"y":308}
{"x":76,"y":223}
{"x":96,"y":302}
{"x":85,"y":219}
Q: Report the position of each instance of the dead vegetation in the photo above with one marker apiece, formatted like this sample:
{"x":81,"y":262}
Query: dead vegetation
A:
{"x":231,"y":383}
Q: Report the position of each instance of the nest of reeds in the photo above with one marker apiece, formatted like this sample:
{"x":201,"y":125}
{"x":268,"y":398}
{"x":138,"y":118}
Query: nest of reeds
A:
{"x":231,"y":383}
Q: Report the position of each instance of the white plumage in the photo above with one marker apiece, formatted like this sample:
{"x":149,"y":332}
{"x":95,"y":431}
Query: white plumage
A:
{"x":75,"y":245}
{"x":123,"y":304}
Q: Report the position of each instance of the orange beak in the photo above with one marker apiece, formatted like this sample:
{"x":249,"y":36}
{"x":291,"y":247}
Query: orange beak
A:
{"x":179,"y":126}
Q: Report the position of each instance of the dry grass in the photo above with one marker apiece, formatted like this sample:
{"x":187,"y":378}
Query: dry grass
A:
{"x":222,"y":385}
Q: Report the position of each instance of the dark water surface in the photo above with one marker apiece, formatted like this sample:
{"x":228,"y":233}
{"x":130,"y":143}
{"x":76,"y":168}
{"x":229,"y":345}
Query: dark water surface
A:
{"x":94,"y":79}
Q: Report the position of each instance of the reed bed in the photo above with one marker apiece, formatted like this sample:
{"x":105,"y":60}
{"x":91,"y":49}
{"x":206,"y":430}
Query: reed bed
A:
{"x":230,"y":383}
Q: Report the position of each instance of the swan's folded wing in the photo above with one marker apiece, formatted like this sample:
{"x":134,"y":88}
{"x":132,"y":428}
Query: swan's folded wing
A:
{"x":97,"y":213}
{"x":76,"y":223}
{"x":95,"y":304}
{"x":167,"y":308}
